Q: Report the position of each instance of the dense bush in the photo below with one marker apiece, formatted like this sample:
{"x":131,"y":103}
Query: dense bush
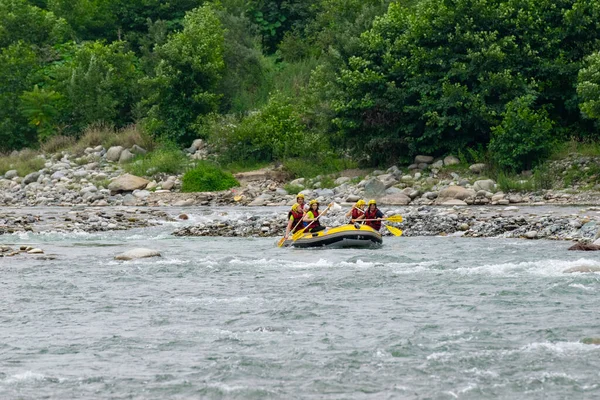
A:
{"x":589,"y":87}
{"x":166,"y":159}
{"x":524,"y":137}
{"x":207,"y":177}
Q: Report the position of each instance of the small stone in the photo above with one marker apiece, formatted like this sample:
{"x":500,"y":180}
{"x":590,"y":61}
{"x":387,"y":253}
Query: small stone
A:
{"x":35,"y":251}
{"x":423,"y":159}
{"x":531,"y":235}
{"x":137,"y":253}
{"x":183,"y":216}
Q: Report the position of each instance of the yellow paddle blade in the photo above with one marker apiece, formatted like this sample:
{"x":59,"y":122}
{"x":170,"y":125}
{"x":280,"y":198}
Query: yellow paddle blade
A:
{"x":298,"y":235}
{"x":394,"y":218}
{"x":281,"y":242}
{"x":394,"y":231}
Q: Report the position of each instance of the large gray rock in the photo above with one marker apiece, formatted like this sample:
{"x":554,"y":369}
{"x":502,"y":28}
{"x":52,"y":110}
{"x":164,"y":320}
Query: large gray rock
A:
{"x":454,"y":192}
{"x":127,"y":183}
{"x":451,"y":160}
{"x":137,"y":253}
{"x":423,"y":159}
{"x":374,"y":188}
{"x":135,"y":149}
{"x":582,"y":269}
{"x":114,"y":153}
{"x":396,"y":199}
{"x":197,"y":144}
{"x":11,"y":174}
{"x":485,"y":184}
{"x":341,"y":180}
{"x":352,"y":198}
{"x":129,"y":200}
{"x":477,"y":168}
{"x":32,"y":177}
{"x":126,"y":156}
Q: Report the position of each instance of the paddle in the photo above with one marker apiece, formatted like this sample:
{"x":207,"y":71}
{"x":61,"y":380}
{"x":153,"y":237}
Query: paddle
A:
{"x":393,"y":218}
{"x":394,"y":231}
{"x":299,"y":234}
{"x":282,"y":240}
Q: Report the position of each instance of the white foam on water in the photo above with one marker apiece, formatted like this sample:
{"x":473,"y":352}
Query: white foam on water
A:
{"x":288,"y":264}
{"x":560,"y":349}
{"x":545,"y":268}
{"x":27,"y":376}
{"x":582,"y":287}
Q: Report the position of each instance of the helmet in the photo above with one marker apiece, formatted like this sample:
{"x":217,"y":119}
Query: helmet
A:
{"x":372,"y":202}
{"x":360,"y":203}
{"x":296,"y":207}
{"x":300,"y":196}
{"x":313,"y":202}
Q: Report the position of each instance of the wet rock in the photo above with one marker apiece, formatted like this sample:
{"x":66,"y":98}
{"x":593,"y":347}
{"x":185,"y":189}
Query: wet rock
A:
{"x":137,"y":254}
{"x":595,"y":341}
{"x":183,"y":217}
{"x":584,"y":247}
{"x":127,"y":183}
{"x":35,"y":251}
{"x":582,"y":269}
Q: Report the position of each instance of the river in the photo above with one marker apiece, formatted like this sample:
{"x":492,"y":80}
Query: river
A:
{"x":436,"y":318}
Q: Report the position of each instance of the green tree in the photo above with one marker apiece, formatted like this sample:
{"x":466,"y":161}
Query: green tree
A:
{"x":22,"y":21}
{"x":40,"y":107}
{"x":100,"y":84}
{"x":18,"y":64}
{"x":588,"y":87}
{"x":523,"y":138}
{"x":183,"y":88}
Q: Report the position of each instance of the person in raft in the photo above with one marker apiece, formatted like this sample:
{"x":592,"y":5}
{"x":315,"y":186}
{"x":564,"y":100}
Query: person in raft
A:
{"x":300,"y":200}
{"x":312,"y":217}
{"x":373,"y":216}
{"x":357,"y":212}
{"x":295,"y":217}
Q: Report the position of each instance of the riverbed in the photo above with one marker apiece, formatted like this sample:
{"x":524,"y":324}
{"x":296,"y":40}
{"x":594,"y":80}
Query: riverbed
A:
{"x":421,"y":317}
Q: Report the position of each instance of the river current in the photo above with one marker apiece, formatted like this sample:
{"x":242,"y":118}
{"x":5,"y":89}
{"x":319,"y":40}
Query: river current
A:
{"x":419,"y":318}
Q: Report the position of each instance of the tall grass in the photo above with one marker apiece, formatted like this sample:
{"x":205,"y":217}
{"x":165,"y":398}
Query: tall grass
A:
{"x":167,"y":160}
{"x":107,"y":136}
{"x":573,"y":146}
{"x":514,"y":184}
{"x":328,"y":163}
{"x":24,"y":162}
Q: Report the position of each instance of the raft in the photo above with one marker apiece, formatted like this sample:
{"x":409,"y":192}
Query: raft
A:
{"x":341,"y":236}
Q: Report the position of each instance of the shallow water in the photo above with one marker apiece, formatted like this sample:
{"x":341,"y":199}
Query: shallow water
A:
{"x":438,"y":318}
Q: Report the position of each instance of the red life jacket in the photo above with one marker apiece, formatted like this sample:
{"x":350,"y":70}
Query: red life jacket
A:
{"x":372,"y":215}
{"x":315,"y":222}
{"x":356,"y":213}
{"x":297,"y":217}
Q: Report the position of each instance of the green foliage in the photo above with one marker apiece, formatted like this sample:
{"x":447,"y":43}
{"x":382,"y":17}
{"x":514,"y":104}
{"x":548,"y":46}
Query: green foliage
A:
{"x":585,"y":148}
{"x":100,"y":85}
{"x":40,"y":107}
{"x":20,"y":21}
{"x":207,"y":177}
{"x":55,"y":144}
{"x":18,"y":63}
{"x":167,"y":159}
{"x":326,"y":162}
{"x":523,"y":138}
{"x":508,"y":183}
{"x":292,"y":189}
{"x":274,"y":133}
{"x":183,"y":89}
{"x":588,"y":87}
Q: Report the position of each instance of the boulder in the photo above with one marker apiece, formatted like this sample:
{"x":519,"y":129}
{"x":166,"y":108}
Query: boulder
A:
{"x":423,"y":159}
{"x":126,"y":156}
{"x":11,"y":174}
{"x":396,"y":199}
{"x":352,"y":198}
{"x":531,"y":235}
{"x":114,"y":153}
{"x":129,"y":200}
{"x":438,"y":164}
{"x":341,"y":180}
{"x":127,"y":183}
{"x":374,"y":188}
{"x":135,"y":149}
{"x":197,"y":144}
{"x":137,"y":253}
{"x":184,"y":203}
{"x":451,"y":160}
{"x":485,"y":184}
{"x":477,"y":168}
{"x":454,"y":192}
{"x":35,"y":251}
{"x":32,"y":177}
{"x":584,"y":247}
{"x":168,"y":184}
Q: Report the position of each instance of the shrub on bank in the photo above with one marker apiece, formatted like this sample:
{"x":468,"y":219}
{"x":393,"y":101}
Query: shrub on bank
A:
{"x":167,"y":160}
{"x":207,"y":177}
{"x":24,"y":162}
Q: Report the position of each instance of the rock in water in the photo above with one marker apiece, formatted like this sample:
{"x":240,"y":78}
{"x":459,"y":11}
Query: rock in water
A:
{"x":127,"y":183}
{"x":137,"y":253}
{"x":583,"y":269}
{"x":585,"y":247}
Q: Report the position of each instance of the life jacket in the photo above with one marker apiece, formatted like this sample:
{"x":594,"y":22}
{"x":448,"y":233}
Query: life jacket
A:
{"x":372,"y":215}
{"x":356,"y":213}
{"x":315,"y":222}
{"x":297,"y":217}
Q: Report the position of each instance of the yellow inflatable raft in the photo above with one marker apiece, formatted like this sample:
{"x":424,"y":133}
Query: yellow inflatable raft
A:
{"x":341,"y":236}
